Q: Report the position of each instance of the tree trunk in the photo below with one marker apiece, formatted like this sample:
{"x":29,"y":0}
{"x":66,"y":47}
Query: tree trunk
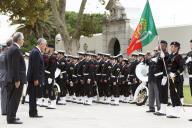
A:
{"x":71,"y":44}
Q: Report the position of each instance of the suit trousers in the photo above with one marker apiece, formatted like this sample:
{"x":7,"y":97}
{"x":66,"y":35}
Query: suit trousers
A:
{"x":13,"y":99}
{"x":32,"y":90}
{"x":3,"y":98}
{"x":153,"y":95}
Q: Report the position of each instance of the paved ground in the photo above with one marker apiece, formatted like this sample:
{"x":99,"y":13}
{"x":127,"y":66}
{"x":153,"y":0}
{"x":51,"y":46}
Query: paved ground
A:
{"x":98,"y":116}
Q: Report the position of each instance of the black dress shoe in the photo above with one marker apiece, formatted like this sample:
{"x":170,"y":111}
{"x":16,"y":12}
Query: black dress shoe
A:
{"x":159,"y":114}
{"x":15,"y":122}
{"x":171,"y":116}
{"x":16,"y":118}
{"x":148,"y":111}
{"x":35,"y":116}
{"x":190,"y":119}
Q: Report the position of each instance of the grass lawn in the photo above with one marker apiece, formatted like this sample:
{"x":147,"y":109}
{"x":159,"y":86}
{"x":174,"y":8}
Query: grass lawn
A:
{"x":187,"y":95}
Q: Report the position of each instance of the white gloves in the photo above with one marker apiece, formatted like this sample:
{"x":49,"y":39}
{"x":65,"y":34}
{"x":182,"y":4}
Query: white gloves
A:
{"x":71,"y":83}
{"x":50,"y":80}
{"x":154,"y":59}
{"x":162,"y":54}
{"x":164,"y":81}
{"x":172,"y":75}
{"x":88,"y":81}
{"x":189,"y":59}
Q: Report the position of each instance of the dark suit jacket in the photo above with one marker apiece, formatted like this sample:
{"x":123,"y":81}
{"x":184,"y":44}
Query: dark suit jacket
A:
{"x":36,"y":66}
{"x":16,"y":69}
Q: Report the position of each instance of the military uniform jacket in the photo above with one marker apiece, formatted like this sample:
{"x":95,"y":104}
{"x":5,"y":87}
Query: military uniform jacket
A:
{"x":106,"y":70}
{"x":62,"y":65}
{"x":115,"y":73}
{"x":70,"y":71}
{"x":155,"y":68}
{"x":132,"y":74}
{"x":189,"y":65}
{"x":175,"y":65}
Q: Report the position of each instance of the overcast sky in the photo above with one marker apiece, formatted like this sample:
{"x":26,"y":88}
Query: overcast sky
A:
{"x":165,"y":12}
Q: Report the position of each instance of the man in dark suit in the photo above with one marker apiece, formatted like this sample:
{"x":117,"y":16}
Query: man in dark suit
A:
{"x":35,"y":75}
{"x":16,"y":77}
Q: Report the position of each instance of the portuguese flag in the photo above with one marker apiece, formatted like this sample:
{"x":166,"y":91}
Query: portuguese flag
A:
{"x":145,"y":31}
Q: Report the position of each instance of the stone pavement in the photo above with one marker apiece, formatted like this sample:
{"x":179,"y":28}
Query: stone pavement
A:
{"x":98,"y":116}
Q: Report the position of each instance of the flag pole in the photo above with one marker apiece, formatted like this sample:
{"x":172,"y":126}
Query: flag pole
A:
{"x":168,"y":80}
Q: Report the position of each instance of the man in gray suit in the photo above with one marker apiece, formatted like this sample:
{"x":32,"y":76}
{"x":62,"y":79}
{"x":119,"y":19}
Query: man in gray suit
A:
{"x":3,"y":75}
{"x":3,"y":81}
{"x":16,"y":77}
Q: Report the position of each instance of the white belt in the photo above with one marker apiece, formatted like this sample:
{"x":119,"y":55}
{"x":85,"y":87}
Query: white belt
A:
{"x":158,"y":74}
{"x":98,"y":74}
{"x":74,"y":76}
{"x":63,"y":72}
{"x":113,"y":76}
{"x":86,"y":74}
{"x":121,"y":75}
{"x":181,"y":73}
{"x":190,"y":76}
{"x":103,"y":74}
{"x":79,"y":75}
{"x":47,"y":72}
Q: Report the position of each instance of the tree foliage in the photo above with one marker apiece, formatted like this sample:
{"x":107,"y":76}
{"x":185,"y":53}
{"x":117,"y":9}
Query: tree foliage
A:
{"x":36,"y":19}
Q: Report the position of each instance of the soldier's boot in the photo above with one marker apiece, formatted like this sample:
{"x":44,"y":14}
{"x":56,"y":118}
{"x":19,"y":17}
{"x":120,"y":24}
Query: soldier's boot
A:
{"x":101,"y":99}
{"x":27,"y":99}
{"x":126,"y":100}
{"x":162,"y":111}
{"x":40,"y":102}
{"x":90,"y":100}
{"x":62,"y":101}
{"x":121,"y":98}
{"x":45,"y":102}
{"x":52,"y":104}
{"x":130,"y":98}
{"x":116,"y":103}
{"x":175,"y":113}
{"x":108,"y":100}
{"x":182,"y":101}
{"x":74,"y":99}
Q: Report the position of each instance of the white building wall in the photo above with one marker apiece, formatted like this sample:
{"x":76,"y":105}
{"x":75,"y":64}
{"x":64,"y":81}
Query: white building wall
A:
{"x":182,"y":34}
{"x":94,"y":43}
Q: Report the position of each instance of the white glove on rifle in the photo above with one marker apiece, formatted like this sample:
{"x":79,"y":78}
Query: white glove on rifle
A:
{"x":172,"y":75}
{"x":189,"y":59}
{"x":164,"y":81}
{"x":154,"y":59}
{"x":162,"y":54}
{"x":71,"y":83}
{"x":50,"y":80}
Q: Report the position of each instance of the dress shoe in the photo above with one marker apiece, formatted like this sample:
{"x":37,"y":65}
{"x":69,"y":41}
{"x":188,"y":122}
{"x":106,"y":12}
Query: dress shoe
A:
{"x":35,"y":116}
{"x":190,"y":119}
{"x":171,"y":116}
{"x":15,"y":122}
{"x":148,"y":111}
{"x":16,"y":118}
{"x":159,"y":114}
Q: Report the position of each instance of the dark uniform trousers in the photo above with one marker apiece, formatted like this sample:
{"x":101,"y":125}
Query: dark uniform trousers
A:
{"x":190,"y":83}
{"x":62,"y":81}
{"x":163,"y":94}
{"x":176,"y":91}
{"x":13,"y":96}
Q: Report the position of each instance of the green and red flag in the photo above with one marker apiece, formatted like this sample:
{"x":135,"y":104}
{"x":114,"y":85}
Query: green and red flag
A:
{"x":145,"y":31}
